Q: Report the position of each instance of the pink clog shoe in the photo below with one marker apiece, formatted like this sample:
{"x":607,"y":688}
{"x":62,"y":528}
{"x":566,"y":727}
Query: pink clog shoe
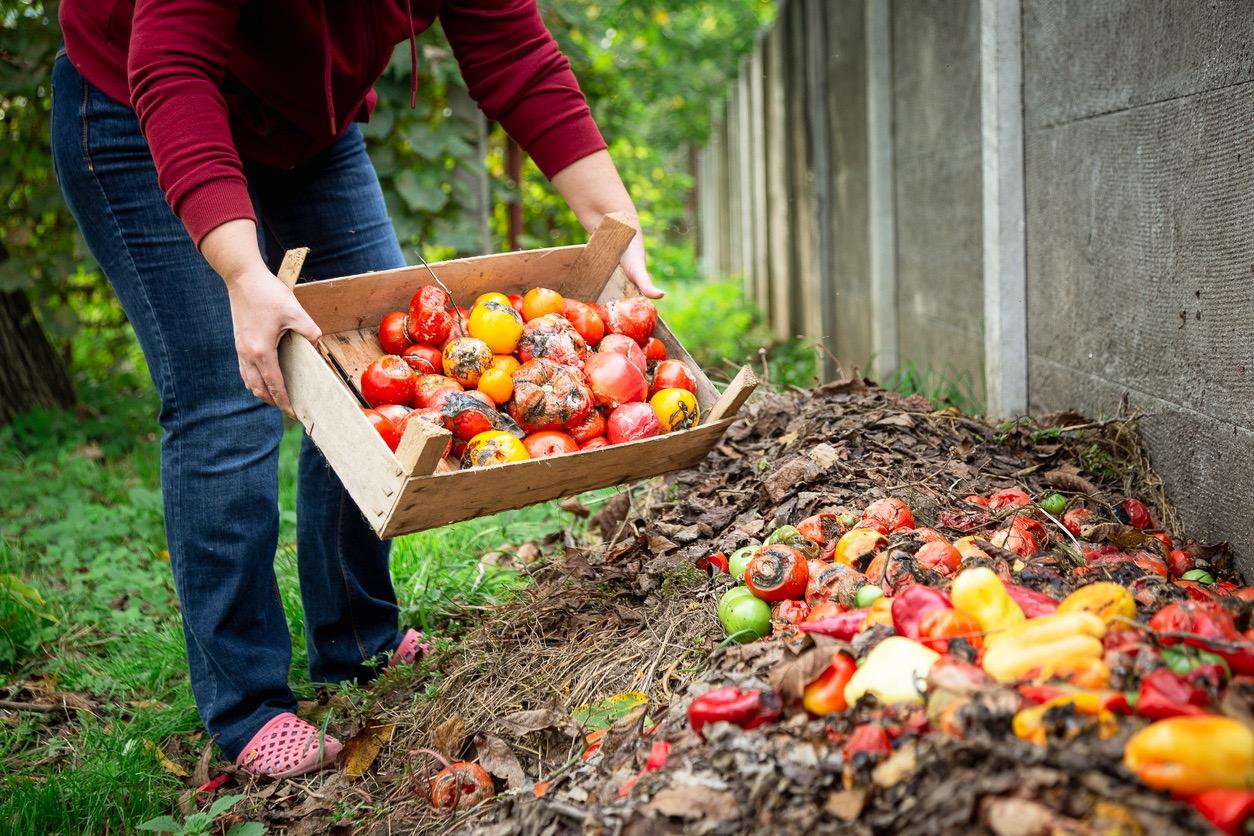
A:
{"x":288,"y":746}
{"x":411,"y":647}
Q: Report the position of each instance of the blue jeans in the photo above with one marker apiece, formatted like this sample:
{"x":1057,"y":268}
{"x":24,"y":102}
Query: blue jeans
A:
{"x":219,"y":451}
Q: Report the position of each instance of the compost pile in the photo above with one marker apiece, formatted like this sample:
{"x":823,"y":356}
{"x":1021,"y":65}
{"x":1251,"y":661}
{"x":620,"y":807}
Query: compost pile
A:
{"x":600,"y":700}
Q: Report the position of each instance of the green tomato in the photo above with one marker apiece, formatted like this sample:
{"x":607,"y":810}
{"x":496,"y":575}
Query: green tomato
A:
{"x":867,"y":595}
{"x":730,"y":596}
{"x":746,"y":617}
{"x":848,"y":520}
{"x":739,"y":562}
{"x":1199,"y":575}
{"x":1177,"y":661}
{"x":1054,"y":503}
{"x":784,"y":534}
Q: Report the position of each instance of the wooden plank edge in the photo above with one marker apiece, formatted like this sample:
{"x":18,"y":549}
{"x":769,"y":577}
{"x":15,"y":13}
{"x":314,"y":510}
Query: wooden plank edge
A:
{"x":735,"y":395}
{"x":595,"y":265}
{"x":421,"y":448}
{"x":293,"y":261}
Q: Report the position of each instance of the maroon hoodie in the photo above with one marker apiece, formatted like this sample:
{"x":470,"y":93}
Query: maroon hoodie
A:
{"x":277,"y":81}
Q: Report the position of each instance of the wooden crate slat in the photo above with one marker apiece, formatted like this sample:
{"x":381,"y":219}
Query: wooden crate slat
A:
{"x":433,"y":501}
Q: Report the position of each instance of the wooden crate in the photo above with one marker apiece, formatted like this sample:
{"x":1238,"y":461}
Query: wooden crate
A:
{"x":413,"y":489}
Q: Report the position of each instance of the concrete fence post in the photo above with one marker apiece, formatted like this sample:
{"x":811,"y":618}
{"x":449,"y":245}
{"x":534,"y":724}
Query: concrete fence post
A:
{"x":881,"y":185}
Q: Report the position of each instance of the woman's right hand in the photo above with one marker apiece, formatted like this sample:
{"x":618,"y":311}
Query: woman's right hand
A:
{"x":262,"y":310}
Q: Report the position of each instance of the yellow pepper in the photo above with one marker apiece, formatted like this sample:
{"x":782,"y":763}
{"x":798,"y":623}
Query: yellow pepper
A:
{"x":1040,"y":642}
{"x":1108,"y":601}
{"x":980,"y":594}
{"x":1031,"y":723}
{"x":893,"y":672}
{"x":1193,"y":754}
{"x":1080,"y":671}
{"x":881,"y":612}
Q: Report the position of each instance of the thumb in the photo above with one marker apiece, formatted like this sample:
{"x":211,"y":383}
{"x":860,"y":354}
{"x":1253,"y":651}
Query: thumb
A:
{"x":304,"y":325}
{"x":640,"y":277}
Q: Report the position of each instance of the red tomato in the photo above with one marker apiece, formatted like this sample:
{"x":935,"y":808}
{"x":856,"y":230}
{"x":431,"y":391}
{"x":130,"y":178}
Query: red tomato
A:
{"x":466,"y":414}
{"x":394,"y":412}
{"x":632,"y":422}
{"x":614,"y":379}
{"x":393,"y":334}
{"x":976,"y":499}
{"x":928,"y":535}
{"x":541,"y":445}
{"x":777,"y":573}
{"x":1016,"y":540}
{"x":461,"y":785}
{"x":595,"y":443}
{"x":552,"y":337}
{"x":428,"y":389}
{"x":672,"y":374}
{"x":626,"y":346}
{"x":790,"y":612}
{"x":388,"y":379}
{"x":1075,"y":518}
{"x":892,"y":513}
{"x":634,"y":317}
{"x":589,"y":428}
{"x":655,"y":350}
{"x":548,"y":396}
{"x":1150,"y":562}
{"x":1008,"y":498}
{"x":1134,"y":513}
{"x":1181,"y":562}
{"x":586,"y":321}
{"x":822,"y":528}
{"x":424,"y":359}
{"x":939,"y":556}
{"x":429,"y":318}
{"x":384,"y":426}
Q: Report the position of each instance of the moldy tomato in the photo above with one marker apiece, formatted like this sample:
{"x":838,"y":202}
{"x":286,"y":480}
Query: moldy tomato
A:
{"x":585,"y":319}
{"x":424,"y":359}
{"x":540,"y":301}
{"x":431,"y":416}
{"x":497,"y":324}
{"x":614,"y":380}
{"x":492,"y":296}
{"x":548,"y":396}
{"x":466,"y":414}
{"x":676,"y":409}
{"x":388,"y":379}
{"x":856,"y":544}
{"x":430,"y":389}
{"x":1134,"y":513}
{"x":595,"y":443}
{"x":548,"y":443}
{"x":673,"y":374}
{"x":429,"y":318}
{"x":892,"y":513}
{"x":632,"y":422}
{"x":1008,"y":498}
{"x":777,"y":573}
{"x":626,"y":346}
{"x":385,"y":427}
{"x":551,"y":337}
{"x":939,"y":556}
{"x":393,"y":335}
{"x":821,"y":528}
{"x":466,"y":359}
{"x":589,"y":428}
{"x":634,"y":318}
{"x":492,"y":448}
{"x":461,"y":785}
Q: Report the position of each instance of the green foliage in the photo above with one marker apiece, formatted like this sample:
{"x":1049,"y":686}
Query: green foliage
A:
{"x":941,"y":388}
{"x":201,"y":822}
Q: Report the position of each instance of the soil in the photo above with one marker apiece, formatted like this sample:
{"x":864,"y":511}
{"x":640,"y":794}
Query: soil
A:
{"x":629,"y":612}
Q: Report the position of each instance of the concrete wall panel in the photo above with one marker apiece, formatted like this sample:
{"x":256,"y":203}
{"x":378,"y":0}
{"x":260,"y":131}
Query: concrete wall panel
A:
{"x":936,"y":148}
{"x":1083,"y":58}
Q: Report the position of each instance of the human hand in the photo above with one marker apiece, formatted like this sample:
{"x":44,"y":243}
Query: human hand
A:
{"x":262,"y":310}
{"x":634,"y":263}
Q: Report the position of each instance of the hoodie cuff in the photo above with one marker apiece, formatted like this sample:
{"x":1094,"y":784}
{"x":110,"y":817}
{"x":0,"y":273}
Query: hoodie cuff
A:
{"x":565,"y":143}
{"x":212,"y":204}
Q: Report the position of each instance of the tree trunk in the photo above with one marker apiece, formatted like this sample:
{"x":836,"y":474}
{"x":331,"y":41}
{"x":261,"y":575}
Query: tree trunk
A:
{"x":31,"y":373}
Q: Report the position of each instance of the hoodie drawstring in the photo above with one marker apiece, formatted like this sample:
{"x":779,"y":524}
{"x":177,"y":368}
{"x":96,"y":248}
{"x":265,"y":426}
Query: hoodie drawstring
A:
{"x":413,"y":56}
{"x":326,"y":64}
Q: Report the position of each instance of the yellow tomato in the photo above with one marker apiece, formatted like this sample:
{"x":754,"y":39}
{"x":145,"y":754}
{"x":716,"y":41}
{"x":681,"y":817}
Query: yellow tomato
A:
{"x":857,"y":543}
{"x":540,"y":301}
{"x":492,"y":296}
{"x":466,"y":359}
{"x":506,"y":363}
{"x":498,"y":325}
{"x":497,"y":385}
{"x":677,"y":409}
{"x":492,"y":448}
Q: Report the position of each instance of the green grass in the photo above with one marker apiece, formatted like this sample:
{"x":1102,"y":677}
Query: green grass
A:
{"x":942,"y":388}
{"x":87,"y":606}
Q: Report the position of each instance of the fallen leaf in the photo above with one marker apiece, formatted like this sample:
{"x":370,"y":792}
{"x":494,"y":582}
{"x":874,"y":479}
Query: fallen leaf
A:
{"x":572,"y":505}
{"x":901,"y":419}
{"x":1021,"y":817}
{"x":688,"y":801}
{"x":166,"y":764}
{"x":896,"y":769}
{"x":539,"y":719}
{"x":1063,"y":481}
{"x":603,"y":714}
{"x":200,"y":775}
{"x":449,"y":736}
{"x":498,"y":759}
{"x":791,"y":676}
{"x":846,"y":805}
{"x":361,"y":749}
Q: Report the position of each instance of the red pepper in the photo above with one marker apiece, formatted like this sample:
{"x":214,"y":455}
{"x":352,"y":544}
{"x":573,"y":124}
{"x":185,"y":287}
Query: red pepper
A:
{"x":1163,"y":695}
{"x":718,"y":561}
{"x":657,"y":759}
{"x":747,"y":709}
{"x":1134,"y":513}
{"x":1226,"y":809}
{"x":826,"y":694}
{"x":844,"y":626}
{"x":914,"y":602}
{"x":1034,"y":604}
{"x":1209,"y":623}
{"x":1115,"y":701}
{"x":868,"y":738}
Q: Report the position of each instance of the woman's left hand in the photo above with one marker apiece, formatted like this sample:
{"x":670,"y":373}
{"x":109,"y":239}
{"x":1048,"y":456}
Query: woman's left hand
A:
{"x":633,"y":264}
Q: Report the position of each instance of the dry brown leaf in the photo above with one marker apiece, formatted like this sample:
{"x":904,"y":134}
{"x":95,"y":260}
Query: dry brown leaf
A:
{"x":1064,"y":481}
{"x":449,"y":736}
{"x":498,"y":759}
{"x":539,"y":719}
{"x":688,"y":801}
{"x":897,"y":768}
{"x":846,"y":805}
{"x":901,"y":419}
{"x":166,"y":764}
{"x":572,"y":505}
{"x":361,"y":749}
{"x":793,"y":675}
{"x":200,"y":775}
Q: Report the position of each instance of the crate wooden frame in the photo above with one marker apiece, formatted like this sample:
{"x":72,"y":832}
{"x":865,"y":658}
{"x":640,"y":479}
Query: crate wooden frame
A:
{"x":411,"y":489}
